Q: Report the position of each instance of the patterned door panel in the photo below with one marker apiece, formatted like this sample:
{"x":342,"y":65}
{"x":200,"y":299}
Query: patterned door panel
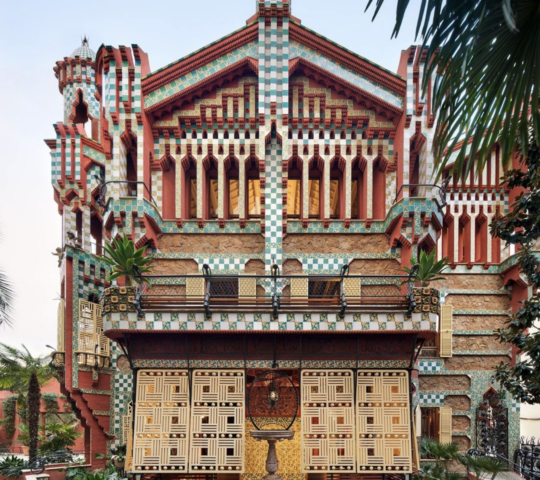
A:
{"x":383,"y":421}
{"x":328,"y":421}
{"x":217,"y":421}
{"x":161,"y":434}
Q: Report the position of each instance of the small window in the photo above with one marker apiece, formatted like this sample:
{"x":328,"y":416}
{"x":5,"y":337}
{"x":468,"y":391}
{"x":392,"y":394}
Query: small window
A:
{"x":254,"y":197}
{"x":231,"y":420}
{"x":314,"y":197}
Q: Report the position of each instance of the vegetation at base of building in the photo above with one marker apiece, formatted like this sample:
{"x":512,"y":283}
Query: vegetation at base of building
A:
{"x":442,"y":455}
{"x":429,"y":270}
{"x":76,"y":471}
{"x":9,"y":408}
{"x":521,"y":227}
{"x":12,"y":466}
{"x":23,"y":374}
{"x":126,"y":262}
{"x":488,"y":51}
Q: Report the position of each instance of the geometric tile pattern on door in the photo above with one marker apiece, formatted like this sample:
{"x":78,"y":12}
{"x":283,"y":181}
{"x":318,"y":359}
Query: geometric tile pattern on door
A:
{"x":161,"y":421}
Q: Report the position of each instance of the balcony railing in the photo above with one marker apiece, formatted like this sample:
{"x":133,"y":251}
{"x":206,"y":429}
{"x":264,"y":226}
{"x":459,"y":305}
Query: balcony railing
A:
{"x":276,"y":293}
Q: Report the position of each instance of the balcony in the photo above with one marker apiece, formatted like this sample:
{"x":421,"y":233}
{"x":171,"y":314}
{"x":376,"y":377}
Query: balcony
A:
{"x":275,"y":294}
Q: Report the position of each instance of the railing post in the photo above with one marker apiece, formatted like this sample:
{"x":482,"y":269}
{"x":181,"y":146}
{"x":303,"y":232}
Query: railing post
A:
{"x":207,"y":272}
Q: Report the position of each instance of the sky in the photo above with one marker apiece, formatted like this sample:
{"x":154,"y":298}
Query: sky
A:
{"x":36,"y":34}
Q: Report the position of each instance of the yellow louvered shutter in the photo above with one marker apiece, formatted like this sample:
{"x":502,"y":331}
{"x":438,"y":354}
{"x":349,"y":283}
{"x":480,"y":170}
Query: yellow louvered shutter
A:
{"x":445,"y":425}
{"x":60,"y":340}
{"x":446,"y":331}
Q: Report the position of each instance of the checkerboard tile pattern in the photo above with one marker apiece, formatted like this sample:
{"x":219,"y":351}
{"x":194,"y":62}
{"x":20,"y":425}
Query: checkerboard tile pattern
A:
{"x":427,"y":399}
{"x":429,"y":366}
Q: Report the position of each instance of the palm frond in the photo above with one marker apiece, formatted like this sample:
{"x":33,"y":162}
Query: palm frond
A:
{"x":486,"y":64}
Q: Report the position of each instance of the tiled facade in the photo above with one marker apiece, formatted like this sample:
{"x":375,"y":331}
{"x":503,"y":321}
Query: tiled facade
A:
{"x":270,"y":97}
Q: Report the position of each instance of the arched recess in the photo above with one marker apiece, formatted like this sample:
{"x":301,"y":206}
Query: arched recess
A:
{"x":79,"y":109}
{"x":294,"y":187}
{"x":129,"y":139}
{"x":169,"y":189}
{"x":337,"y":187}
{"x":252,"y":197}
{"x":231,"y":191}
{"x":189,"y":188}
{"x":480,"y":239}
{"x":210,"y":193}
{"x":379,"y":188}
{"x":96,"y":232}
{"x":358,"y":188}
{"x":464,"y":239}
{"x":316,"y":188}
{"x":448,"y":238}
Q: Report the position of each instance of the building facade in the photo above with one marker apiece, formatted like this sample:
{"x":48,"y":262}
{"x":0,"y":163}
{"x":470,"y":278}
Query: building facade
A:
{"x":280,"y":182}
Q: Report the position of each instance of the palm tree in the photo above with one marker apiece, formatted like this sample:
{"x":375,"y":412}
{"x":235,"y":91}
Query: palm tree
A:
{"x":489,"y":52}
{"x":24,"y":374}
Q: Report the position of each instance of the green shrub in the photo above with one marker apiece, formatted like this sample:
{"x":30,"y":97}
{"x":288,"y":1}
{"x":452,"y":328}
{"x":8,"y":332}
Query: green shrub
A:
{"x":12,"y":466}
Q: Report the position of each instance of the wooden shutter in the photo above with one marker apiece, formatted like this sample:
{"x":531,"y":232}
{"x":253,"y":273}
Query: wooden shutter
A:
{"x":446,"y":331}
{"x":445,"y":425}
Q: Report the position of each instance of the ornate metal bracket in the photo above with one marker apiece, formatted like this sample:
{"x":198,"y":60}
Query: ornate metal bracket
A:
{"x":441,"y":202}
{"x":275,"y":297}
{"x":207,"y":272}
{"x":344,"y":271}
{"x":103,"y":190}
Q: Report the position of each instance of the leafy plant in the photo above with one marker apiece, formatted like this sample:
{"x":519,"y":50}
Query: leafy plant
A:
{"x":441,"y":454}
{"x":9,"y":407}
{"x":12,"y":466}
{"x":483,"y":466}
{"x":488,"y":53}
{"x":428,"y":269}
{"x":125,"y":260}
{"x":57,"y":436}
{"x":75,"y":471}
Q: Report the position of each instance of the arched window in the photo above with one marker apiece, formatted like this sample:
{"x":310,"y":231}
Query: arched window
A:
{"x":316,"y":188}
{"x":337,"y":188}
{"x":464,"y":239}
{"x":448,"y":238}
{"x":294,"y":188}
{"x":358,"y":189}
{"x":480,"y":239}
{"x":232,"y":188}
{"x":169,"y":191}
{"x":253,"y":189}
{"x":96,"y":231}
{"x":189,"y":188}
{"x":81,"y":110}
{"x":379,"y":189}
{"x":210,"y":188}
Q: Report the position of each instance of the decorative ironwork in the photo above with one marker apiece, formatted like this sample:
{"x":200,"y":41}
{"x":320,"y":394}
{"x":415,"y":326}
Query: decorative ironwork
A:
{"x":341,"y":293}
{"x":272,"y":401}
{"x":492,"y":425}
{"x":58,"y":360}
{"x":527,"y":458}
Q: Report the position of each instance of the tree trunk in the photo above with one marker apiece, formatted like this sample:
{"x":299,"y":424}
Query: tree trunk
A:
{"x":34,"y":404}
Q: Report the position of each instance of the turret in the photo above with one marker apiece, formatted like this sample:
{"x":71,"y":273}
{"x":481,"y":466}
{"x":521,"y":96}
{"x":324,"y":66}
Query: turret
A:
{"x":76,"y":81}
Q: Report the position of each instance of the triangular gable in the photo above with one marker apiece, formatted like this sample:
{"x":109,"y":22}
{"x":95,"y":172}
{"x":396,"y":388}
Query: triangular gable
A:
{"x":341,"y":56}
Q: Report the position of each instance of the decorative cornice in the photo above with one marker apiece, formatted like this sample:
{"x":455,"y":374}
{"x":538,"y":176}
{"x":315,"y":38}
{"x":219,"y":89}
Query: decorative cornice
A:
{"x":198,"y":59}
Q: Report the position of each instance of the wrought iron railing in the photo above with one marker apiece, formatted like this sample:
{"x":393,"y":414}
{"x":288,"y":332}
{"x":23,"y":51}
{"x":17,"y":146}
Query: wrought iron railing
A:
{"x":93,"y":359}
{"x":527,"y":458}
{"x":58,"y":360}
{"x":341,"y":293}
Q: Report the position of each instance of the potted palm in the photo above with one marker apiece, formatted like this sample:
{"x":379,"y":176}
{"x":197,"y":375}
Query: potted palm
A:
{"x":127,"y":265}
{"x":427,"y":270}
